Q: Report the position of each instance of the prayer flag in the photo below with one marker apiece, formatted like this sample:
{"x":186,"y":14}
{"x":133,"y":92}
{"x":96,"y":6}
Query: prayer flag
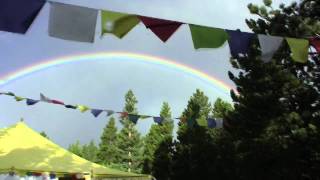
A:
{"x":44,"y":98}
{"x":82,"y":108}
{"x":57,"y":102}
{"x":206,"y":37}
{"x":70,"y":106}
{"x":239,"y":42}
{"x":202,"y":122}
{"x":118,"y":24}
{"x":124,"y":114}
{"x":109,"y":112}
{"x":211,"y":123}
{"x":17,"y":15}
{"x":133,"y":118}
{"x":158,"y":120}
{"x":31,"y":102}
{"x":9,"y":94}
{"x":96,"y":112}
{"x":161,"y":28}
{"x":71,"y":22}
{"x":269,"y":45}
{"x":145,"y":116}
{"x":19,"y":98}
{"x":299,"y":49}
{"x":315,"y":42}
{"x":190,"y":122}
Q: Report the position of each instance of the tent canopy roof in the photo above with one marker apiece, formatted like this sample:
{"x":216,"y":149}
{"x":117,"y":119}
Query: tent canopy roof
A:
{"x":25,"y":150}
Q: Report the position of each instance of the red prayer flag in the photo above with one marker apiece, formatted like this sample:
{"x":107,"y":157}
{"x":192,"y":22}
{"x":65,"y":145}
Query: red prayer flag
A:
{"x":124,"y":114}
{"x":57,"y":102}
{"x":162,"y":28}
{"x":315,"y":42}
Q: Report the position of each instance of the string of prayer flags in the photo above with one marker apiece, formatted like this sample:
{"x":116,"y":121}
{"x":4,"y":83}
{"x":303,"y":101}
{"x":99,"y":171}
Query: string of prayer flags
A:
{"x":299,"y":49}
{"x":211,"y":123}
{"x":30,"y":102}
{"x":133,"y":118}
{"x":164,"y":29}
{"x":269,"y":46}
{"x":315,"y":42}
{"x":18,"y":98}
{"x":239,"y":42}
{"x":116,"y":23}
{"x":206,"y":37}
{"x":71,"y":22}
{"x":158,"y":120}
{"x":17,"y":15}
{"x":96,"y":112}
{"x":82,"y":108}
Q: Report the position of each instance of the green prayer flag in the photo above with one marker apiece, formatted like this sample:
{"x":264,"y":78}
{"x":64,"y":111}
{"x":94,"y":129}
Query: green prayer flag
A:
{"x":9,"y":94}
{"x":19,"y":98}
{"x":190,"y":122}
{"x":82,"y":108}
{"x":118,"y":24}
{"x":206,"y":37}
{"x":299,"y":49}
{"x":145,"y":116}
{"x":202,"y":122}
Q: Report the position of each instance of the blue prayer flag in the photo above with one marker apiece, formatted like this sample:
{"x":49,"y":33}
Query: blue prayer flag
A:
{"x":211,"y":123}
{"x":133,"y":118}
{"x":158,"y":120}
{"x":239,"y":42}
{"x":31,"y":102}
{"x":17,"y":15}
{"x":96,"y":112}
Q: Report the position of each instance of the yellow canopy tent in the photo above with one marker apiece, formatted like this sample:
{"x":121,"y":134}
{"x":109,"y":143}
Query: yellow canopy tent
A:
{"x":24,"y":150}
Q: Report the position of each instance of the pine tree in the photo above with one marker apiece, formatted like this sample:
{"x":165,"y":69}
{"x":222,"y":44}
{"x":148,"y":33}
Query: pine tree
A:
{"x":89,"y":152}
{"x":108,"y":152}
{"x":158,"y":146}
{"x":277,"y":110}
{"x":193,"y":152}
{"x":76,"y":148}
{"x":221,"y":108}
{"x":128,"y":140}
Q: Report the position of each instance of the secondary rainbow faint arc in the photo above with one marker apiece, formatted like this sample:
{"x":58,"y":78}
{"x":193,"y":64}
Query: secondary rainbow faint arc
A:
{"x":94,"y":56}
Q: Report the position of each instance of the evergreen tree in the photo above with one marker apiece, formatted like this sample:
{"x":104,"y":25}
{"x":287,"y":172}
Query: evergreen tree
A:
{"x":76,"y":148}
{"x":158,"y":146}
{"x":108,"y":152}
{"x":193,"y":150}
{"x":89,"y":152}
{"x":128,"y":140}
{"x":221,"y":108}
{"x":277,"y":110}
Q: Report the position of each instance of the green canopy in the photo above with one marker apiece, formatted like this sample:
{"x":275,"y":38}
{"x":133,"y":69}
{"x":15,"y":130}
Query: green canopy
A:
{"x":24,"y":150}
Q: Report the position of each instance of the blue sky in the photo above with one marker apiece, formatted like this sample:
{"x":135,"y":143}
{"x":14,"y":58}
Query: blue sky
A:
{"x":102,"y":84}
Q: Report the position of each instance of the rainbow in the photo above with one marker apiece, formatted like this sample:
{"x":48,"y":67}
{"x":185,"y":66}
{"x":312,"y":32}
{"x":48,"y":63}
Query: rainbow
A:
{"x":103,"y":55}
